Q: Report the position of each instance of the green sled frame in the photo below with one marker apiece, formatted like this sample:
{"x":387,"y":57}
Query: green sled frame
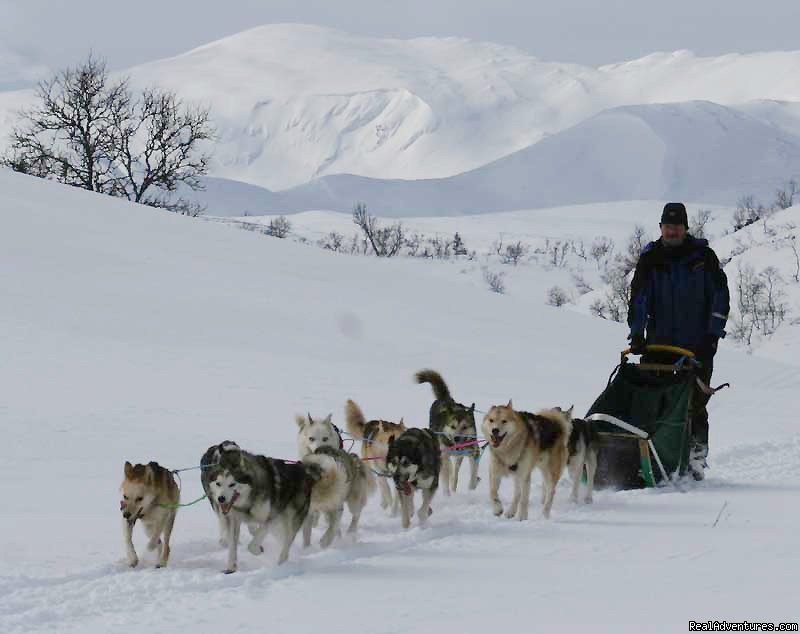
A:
{"x":643,"y":419}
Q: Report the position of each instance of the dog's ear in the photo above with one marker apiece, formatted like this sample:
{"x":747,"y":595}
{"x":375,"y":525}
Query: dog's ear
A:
{"x":128,"y":470}
{"x":329,"y":419}
{"x":510,"y":404}
{"x":300,"y":420}
{"x":391,"y":439}
{"x":149,"y":474}
{"x":569,"y":411}
{"x":472,"y":408}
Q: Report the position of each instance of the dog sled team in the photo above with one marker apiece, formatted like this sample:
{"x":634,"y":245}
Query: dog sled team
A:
{"x":285,"y":497}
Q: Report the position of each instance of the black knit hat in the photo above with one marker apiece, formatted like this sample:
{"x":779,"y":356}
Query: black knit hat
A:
{"x":674,"y":214}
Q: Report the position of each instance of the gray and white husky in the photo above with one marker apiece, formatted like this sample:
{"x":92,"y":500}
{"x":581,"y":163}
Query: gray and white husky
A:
{"x":261,"y":492}
{"x":345,"y":479}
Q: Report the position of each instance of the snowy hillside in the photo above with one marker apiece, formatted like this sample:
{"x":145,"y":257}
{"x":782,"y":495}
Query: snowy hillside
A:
{"x":135,"y":334}
{"x":297,"y":102}
{"x":697,"y":151}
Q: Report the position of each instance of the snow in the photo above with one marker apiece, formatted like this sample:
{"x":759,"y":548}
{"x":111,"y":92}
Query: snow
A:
{"x":135,"y":334}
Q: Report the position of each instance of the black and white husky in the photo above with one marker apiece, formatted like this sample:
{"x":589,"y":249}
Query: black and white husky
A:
{"x":262,"y":492}
{"x":454,"y":424}
{"x":414,"y":462}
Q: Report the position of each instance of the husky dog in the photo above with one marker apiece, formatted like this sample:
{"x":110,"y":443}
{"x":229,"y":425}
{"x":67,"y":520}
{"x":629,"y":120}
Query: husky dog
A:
{"x":149,"y":493}
{"x":414,"y":460}
{"x":262,"y":491}
{"x":582,"y":454}
{"x":345,"y":478}
{"x":376,"y":436}
{"x":454,"y":424}
{"x":520,"y":441}
{"x":314,"y":433}
{"x":211,"y":458}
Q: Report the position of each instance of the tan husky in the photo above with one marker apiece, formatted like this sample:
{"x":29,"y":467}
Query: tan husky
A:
{"x":375,"y":436}
{"x":149,"y":493}
{"x":520,"y":441}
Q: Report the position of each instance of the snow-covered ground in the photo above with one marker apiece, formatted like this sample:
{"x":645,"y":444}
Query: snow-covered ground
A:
{"x":134,"y":334}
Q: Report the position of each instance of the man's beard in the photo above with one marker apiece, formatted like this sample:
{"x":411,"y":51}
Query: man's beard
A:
{"x":673,"y":242}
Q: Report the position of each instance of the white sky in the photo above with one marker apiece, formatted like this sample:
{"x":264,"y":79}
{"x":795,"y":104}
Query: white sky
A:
{"x":60,"y":32}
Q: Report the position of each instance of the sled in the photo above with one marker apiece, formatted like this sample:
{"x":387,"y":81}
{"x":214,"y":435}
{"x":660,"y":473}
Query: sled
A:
{"x":643,"y":419}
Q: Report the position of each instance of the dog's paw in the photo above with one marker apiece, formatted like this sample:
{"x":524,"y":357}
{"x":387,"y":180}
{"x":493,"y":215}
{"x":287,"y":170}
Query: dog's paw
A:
{"x":327,"y":539}
{"x":255,"y":548}
{"x":510,"y":513}
{"x":497,"y":509}
{"x":229,"y":571}
{"x":133,"y":562}
{"x":588,"y":500}
{"x":161,"y":564}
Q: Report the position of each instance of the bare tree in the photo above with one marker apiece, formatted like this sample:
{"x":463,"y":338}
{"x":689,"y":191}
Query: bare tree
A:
{"x":385,"y":241}
{"x":90,"y":131}
{"x":70,"y":135}
{"x":334,"y":241}
{"x":458,"y":245}
{"x":602,"y":248}
{"x":581,"y":285}
{"x":557,"y":296}
{"x":494,"y":280}
{"x":159,"y":141}
{"x":278,"y":227}
{"x":760,"y":302}
{"x":784,"y":196}
{"x":634,"y":247}
{"x":514,"y":253}
{"x":747,"y":212}
{"x":697,"y":225}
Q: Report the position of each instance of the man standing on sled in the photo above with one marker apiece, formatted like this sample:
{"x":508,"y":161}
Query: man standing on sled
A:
{"x":679,"y":297}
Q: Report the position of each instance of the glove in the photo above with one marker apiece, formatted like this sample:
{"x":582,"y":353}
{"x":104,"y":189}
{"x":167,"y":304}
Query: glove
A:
{"x":637,"y":343}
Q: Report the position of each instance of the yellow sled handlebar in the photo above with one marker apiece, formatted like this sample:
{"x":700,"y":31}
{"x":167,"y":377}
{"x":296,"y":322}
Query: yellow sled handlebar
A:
{"x":662,"y":348}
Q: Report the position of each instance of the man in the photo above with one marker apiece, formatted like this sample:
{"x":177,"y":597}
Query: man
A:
{"x":679,"y":296}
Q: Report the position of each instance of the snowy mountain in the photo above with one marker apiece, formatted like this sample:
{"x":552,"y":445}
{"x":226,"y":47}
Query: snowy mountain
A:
{"x":695,"y":151}
{"x":296,"y":102}
{"x":135,"y":334}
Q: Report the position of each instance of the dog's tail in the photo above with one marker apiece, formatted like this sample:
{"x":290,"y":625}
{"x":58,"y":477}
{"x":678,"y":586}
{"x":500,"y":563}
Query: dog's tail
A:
{"x":328,"y":477}
{"x":354,"y":419}
{"x":563,"y":421}
{"x":440,"y":390}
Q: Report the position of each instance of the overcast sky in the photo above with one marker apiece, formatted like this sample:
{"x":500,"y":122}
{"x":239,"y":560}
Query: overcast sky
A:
{"x":59,"y":32}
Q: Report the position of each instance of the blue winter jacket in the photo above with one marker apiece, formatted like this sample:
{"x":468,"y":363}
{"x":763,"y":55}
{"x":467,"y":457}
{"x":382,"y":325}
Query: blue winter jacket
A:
{"x":679,"y":295}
